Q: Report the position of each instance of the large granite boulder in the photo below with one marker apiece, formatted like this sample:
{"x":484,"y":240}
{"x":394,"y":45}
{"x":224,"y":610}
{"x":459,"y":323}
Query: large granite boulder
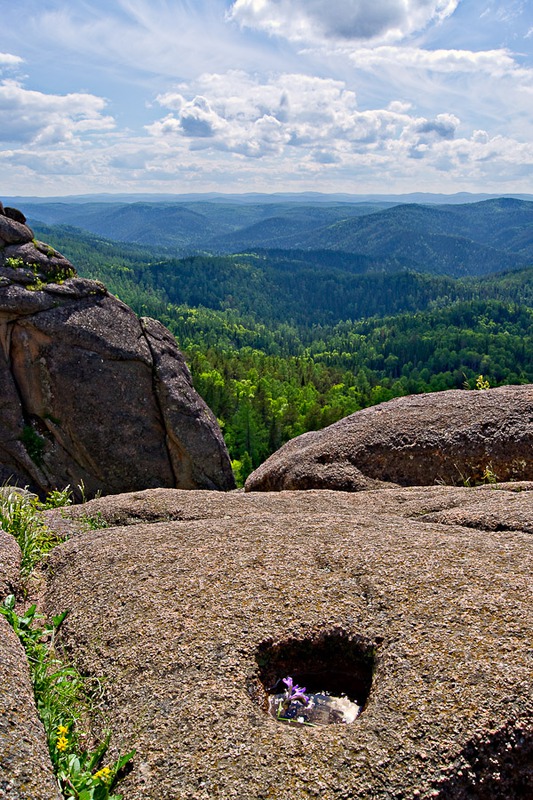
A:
{"x":91,"y":395}
{"x":193,"y":604}
{"x":451,"y":437}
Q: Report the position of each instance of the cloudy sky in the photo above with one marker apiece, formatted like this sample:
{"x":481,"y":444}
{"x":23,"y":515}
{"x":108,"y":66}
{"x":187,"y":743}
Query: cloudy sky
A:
{"x":266,"y":95}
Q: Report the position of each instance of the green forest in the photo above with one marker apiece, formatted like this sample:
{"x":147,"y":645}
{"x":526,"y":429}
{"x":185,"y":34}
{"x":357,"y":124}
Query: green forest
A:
{"x":282,"y":342}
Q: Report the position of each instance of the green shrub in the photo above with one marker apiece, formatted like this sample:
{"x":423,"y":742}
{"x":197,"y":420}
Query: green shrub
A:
{"x":34,"y":444}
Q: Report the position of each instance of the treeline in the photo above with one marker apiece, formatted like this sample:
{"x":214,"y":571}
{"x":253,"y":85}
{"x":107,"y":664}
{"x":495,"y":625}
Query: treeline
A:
{"x":263,"y":400}
{"x":272,"y":363}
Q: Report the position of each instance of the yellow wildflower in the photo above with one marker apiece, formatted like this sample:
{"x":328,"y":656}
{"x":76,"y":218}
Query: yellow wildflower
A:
{"x":103,"y":774}
{"x":62,"y":743}
{"x":62,"y":730}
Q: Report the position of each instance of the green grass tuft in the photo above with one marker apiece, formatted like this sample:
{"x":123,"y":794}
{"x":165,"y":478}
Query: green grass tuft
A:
{"x":19,"y":516}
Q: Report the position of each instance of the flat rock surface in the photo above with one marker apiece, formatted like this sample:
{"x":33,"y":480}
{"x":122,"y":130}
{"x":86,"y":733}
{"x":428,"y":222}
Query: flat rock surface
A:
{"x":193,"y":603}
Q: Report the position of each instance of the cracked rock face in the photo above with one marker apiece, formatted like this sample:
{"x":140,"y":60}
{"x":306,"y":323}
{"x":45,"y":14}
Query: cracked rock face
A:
{"x":91,"y":394}
{"x":453,"y":437}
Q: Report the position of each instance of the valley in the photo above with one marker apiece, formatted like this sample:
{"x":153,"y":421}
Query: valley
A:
{"x":292,"y":315}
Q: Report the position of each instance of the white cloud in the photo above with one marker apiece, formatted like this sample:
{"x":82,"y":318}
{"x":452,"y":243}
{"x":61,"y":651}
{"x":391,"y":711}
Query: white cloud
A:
{"x":301,"y":128}
{"x":443,"y":126}
{"x":289,"y":114}
{"x":9,"y":60}
{"x":401,"y":149}
{"x":335,"y":101}
{"x":488,"y":63}
{"x":238,"y":113}
{"x":349,"y":20}
{"x":44,"y":119}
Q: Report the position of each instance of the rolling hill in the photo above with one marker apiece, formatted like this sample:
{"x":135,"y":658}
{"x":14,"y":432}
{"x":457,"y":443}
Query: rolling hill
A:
{"x":280,"y":342}
{"x":456,"y":240}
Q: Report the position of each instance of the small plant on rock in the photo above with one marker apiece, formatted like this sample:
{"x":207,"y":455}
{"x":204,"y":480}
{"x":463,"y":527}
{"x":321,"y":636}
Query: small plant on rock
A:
{"x":293,"y":694}
{"x":34,"y":444}
{"x":481,"y":383}
{"x":489,"y":476}
{"x":14,"y":263}
{"x":58,"y":498}
{"x":19,"y":516}
{"x":62,"y":699}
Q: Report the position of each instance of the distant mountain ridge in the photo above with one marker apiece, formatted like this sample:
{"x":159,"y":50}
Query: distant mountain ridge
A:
{"x":458,"y":240}
{"x":273,"y":197}
{"x":472,"y":239}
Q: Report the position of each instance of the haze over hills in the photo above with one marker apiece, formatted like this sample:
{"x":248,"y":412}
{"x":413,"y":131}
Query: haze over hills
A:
{"x":467,"y":239}
{"x":259,"y":197}
{"x":193,"y":226}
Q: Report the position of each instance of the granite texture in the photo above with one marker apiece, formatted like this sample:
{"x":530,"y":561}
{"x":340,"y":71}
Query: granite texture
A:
{"x":453,"y":437}
{"x":193,"y":602}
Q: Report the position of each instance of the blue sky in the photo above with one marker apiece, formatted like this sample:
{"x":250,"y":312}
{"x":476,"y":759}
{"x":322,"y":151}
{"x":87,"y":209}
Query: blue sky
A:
{"x":351,"y":96}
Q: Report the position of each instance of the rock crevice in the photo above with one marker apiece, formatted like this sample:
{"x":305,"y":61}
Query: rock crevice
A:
{"x":155,"y":389}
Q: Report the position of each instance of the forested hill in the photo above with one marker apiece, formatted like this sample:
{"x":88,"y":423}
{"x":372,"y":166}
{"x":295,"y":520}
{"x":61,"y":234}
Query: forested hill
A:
{"x":281,"y":342}
{"x":187,"y":227}
{"x":457,"y":240}
{"x":277,"y":287}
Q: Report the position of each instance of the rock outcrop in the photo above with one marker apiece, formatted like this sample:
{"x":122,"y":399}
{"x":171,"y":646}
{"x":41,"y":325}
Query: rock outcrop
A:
{"x":194,"y":603}
{"x":448,"y":437}
{"x":19,"y":249}
{"x":91,"y":395}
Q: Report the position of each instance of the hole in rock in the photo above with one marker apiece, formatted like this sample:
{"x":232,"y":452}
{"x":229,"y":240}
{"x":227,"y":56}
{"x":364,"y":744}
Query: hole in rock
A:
{"x":321,"y":680}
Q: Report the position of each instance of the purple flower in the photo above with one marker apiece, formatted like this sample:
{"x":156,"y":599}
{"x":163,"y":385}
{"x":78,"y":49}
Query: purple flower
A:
{"x":294,"y":692}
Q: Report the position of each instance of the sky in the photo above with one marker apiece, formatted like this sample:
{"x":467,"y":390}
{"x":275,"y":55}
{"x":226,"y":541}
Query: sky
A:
{"x":180,"y":96}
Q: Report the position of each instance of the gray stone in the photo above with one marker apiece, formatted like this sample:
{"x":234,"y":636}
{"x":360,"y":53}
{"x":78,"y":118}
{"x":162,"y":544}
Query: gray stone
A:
{"x":13,"y":232}
{"x":90,"y":396}
{"x":202,"y":599}
{"x":44,"y":262}
{"x":19,"y":248}
{"x":190,"y":424}
{"x":14,"y":213}
{"x":448,"y":437}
